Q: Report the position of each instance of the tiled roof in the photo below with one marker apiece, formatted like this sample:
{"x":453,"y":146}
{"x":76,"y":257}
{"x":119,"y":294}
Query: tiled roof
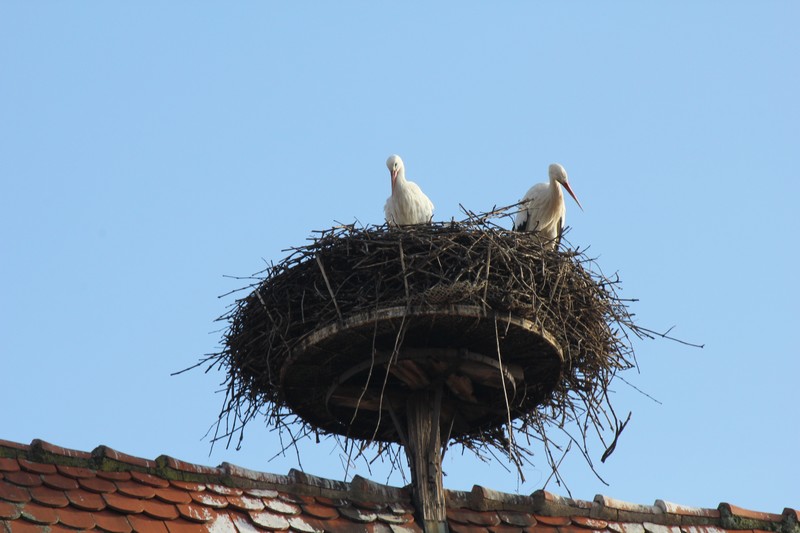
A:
{"x":48,"y":488}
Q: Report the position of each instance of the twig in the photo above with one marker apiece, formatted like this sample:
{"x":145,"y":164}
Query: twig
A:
{"x":327,"y":284}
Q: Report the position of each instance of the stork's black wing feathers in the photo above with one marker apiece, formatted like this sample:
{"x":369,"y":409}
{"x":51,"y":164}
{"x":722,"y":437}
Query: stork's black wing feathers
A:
{"x":522,"y":224}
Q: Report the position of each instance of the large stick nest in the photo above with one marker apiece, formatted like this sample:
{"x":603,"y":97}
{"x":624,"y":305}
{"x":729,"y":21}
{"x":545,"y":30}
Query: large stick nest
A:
{"x":348,"y":269}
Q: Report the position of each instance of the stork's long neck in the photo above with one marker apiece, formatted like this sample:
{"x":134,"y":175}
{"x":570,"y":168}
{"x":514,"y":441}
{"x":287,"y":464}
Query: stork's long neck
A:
{"x":400,"y":179}
{"x":557,"y":195}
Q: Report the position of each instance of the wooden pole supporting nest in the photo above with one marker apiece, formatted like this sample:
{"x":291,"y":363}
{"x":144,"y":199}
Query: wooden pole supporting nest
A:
{"x":424,"y":452}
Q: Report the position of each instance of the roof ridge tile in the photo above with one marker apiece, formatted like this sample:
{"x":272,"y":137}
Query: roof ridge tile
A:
{"x":621,"y":505}
{"x":616,"y":510}
{"x":733,"y":517}
{"x":103,"y":452}
{"x":235,"y":471}
{"x":367,"y":487}
{"x":16,"y":446}
{"x":302,"y":478}
{"x":683,"y":510}
{"x":456,"y":498}
{"x":545,"y":502}
{"x":167,"y":461}
{"x":791,"y":514}
{"x":41,"y":449}
{"x":484,"y":499}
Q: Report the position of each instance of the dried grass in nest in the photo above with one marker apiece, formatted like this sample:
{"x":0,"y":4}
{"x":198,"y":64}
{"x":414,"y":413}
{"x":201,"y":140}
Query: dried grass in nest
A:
{"x":348,"y":269}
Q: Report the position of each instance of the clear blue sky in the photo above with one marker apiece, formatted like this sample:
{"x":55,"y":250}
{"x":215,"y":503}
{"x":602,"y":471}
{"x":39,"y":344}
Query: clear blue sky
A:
{"x":148,"y":149}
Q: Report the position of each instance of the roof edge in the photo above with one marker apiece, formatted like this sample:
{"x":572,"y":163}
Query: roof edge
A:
{"x":540,"y":503}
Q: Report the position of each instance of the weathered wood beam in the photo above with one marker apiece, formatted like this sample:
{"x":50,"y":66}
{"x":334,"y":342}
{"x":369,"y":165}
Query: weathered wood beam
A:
{"x":424,"y":451}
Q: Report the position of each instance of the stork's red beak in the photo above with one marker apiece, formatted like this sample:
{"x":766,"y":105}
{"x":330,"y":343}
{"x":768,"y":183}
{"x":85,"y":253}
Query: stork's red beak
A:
{"x":394,"y":177}
{"x":569,"y":190}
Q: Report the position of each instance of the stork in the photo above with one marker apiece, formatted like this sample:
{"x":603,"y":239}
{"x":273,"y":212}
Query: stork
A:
{"x":407,"y":204}
{"x":543,"y":209}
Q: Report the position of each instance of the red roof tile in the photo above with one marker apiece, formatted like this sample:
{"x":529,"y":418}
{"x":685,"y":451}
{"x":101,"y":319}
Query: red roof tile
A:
{"x":457,"y":527}
{"x":269,"y":520}
{"x":136,"y":490}
{"x":85,"y":500}
{"x":49,"y":497}
{"x":145,"y":523}
{"x":515,"y":518}
{"x":75,"y":472}
{"x":160,"y":510}
{"x":223,"y":490}
{"x":57,"y":481}
{"x":589,"y":523}
{"x":149,"y":479}
{"x":245,"y":503}
{"x":559,"y":521}
{"x":210,"y":500}
{"x":24,"y":479}
{"x":124,"y":504}
{"x":173,"y":495}
{"x":46,"y":487}
{"x":9,"y":511}
{"x":14,"y":493}
{"x":182,"y":526}
{"x":114,"y":476}
{"x":36,"y":468}
{"x":195,"y":513}
{"x":320,"y":511}
{"x":188,"y":486}
{"x":113,"y":522}
{"x":77,"y":518}
{"x":97,"y":484}
{"x":8,"y":464}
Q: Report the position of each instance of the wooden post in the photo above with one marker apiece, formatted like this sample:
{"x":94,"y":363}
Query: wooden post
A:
{"x":424,"y":451}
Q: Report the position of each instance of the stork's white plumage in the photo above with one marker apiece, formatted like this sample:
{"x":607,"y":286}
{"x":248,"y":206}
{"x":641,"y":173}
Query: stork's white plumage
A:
{"x":543,"y":209}
{"x":407,"y":204}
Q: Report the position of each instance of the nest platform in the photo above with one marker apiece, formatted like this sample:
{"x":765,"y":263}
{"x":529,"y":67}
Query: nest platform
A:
{"x":354,"y":377}
{"x":502,"y":328}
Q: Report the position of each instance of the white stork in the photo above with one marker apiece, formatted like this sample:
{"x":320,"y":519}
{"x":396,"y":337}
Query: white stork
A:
{"x":407,"y":204}
{"x":543,"y":209}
